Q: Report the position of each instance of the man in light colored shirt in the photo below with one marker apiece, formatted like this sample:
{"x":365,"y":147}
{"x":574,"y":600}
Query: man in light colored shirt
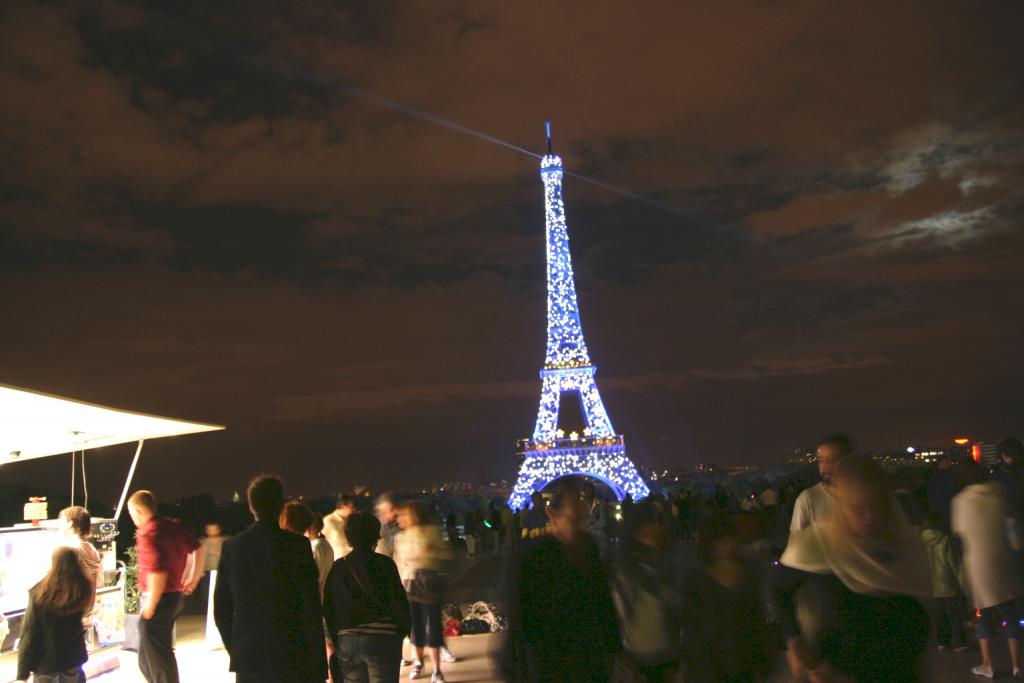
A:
{"x":334,"y":526}
{"x":813,"y":504}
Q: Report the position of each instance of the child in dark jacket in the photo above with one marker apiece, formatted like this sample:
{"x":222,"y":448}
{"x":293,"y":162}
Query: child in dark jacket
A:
{"x":947,"y":610}
{"x":365,"y":609}
{"x":52,"y":637}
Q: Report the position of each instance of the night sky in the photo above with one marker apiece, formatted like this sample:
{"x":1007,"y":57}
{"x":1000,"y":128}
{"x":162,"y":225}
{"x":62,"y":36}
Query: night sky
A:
{"x":207,"y":213}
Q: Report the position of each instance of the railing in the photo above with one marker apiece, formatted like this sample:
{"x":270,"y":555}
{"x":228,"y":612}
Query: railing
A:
{"x":581,"y":441}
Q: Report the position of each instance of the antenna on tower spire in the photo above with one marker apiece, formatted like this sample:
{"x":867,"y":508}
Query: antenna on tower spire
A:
{"x":547,"y":127}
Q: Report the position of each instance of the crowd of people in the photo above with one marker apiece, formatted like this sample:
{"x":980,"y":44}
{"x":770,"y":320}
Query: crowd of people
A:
{"x":693,"y":588}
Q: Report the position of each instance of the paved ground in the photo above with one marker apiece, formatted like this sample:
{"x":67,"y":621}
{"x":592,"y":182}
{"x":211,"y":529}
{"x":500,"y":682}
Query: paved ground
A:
{"x":201,"y":664}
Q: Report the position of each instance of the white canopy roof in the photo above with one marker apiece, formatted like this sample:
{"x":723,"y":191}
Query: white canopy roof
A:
{"x":34,"y":425}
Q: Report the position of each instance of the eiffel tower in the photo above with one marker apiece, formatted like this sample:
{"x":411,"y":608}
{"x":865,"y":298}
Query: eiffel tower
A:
{"x":550,"y":454}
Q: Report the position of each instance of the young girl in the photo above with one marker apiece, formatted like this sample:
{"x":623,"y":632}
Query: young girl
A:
{"x":52,"y":639}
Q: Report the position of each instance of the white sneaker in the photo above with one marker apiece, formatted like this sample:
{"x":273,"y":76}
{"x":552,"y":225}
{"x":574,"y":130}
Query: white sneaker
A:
{"x":417,"y":668}
{"x":983,"y":671}
{"x":447,"y":656}
{"x":437,"y":677}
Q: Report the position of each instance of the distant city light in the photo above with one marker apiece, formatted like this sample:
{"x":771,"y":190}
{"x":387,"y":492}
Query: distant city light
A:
{"x":961,"y":441}
{"x":910,"y":449}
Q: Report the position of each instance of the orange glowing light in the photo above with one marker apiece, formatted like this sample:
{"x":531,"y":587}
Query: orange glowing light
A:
{"x":961,"y":441}
{"x":976,"y":452}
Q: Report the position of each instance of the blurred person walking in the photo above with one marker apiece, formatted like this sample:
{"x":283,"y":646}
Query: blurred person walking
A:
{"x":509,"y":528}
{"x":334,"y":525}
{"x":295,"y":517}
{"x":535,"y":521}
{"x":299,"y":519}
{"x":815,"y":503}
{"x":75,"y":527}
{"x":1010,"y":474}
{"x":861,"y":566}
{"x":366,"y":609}
{"x":420,"y":554}
{"x":597,"y":518}
{"x":495,"y":529}
{"x":685,"y":514}
{"x":265,"y":603}
{"x":164,"y":548}
{"x":988,"y":531}
{"x":323,"y":553}
{"x":52,"y":645}
{"x":471,"y":532}
{"x":387,"y":514}
{"x":948,"y":585}
{"x":940,"y":490}
{"x":646,"y":591}
{"x":212,"y":542}
{"x":725,"y":637}
{"x":562,"y":625}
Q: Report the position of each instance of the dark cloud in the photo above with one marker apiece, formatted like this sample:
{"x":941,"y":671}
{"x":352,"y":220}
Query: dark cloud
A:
{"x":221,"y":213}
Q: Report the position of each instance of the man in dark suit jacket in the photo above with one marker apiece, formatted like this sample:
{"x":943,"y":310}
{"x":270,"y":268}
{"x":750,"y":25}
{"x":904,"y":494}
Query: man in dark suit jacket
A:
{"x":266,"y":604}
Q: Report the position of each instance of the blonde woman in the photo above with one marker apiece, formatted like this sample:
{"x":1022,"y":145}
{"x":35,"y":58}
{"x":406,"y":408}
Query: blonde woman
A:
{"x":420,"y":553}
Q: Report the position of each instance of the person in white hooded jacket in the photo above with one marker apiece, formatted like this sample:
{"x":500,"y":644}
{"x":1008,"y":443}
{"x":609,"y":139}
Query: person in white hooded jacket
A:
{"x":988,"y":532}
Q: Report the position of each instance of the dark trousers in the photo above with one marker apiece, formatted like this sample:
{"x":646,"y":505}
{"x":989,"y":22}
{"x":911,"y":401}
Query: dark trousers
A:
{"x":426,"y":624}
{"x":367,"y":658}
{"x":659,"y":673}
{"x":69,"y":676}
{"x":948,"y":621}
{"x":1006,"y":613}
{"x":156,"y":641}
{"x":198,"y":602}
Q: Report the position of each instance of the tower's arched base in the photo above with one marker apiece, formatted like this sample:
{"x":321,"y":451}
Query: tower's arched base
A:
{"x":609,"y":465}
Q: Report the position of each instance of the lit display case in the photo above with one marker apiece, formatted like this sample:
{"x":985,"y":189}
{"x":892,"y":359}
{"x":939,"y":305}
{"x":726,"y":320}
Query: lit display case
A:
{"x":25,"y":552}
{"x":24,"y":559}
{"x":34,"y":424}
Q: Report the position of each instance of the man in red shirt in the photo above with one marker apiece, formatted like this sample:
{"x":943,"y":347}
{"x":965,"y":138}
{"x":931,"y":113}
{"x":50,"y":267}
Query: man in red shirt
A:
{"x":170,"y":563}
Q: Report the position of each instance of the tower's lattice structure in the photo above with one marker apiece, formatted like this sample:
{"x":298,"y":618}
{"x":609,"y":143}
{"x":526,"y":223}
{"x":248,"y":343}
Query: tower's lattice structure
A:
{"x":551,"y":453}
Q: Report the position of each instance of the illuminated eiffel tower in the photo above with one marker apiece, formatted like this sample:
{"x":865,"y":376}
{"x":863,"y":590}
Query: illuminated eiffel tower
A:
{"x":550,"y":454}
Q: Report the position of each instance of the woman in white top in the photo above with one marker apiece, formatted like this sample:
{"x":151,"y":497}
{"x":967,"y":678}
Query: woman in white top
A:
{"x":979,"y":516}
{"x":323,"y":553}
{"x":420,"y":553}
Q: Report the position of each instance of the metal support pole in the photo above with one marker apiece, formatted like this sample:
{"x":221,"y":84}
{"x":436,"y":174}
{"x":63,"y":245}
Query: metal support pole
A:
{"x":128,"y":481}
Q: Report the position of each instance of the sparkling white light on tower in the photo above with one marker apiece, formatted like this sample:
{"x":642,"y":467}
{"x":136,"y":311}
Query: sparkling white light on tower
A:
{"x":598,"y":452}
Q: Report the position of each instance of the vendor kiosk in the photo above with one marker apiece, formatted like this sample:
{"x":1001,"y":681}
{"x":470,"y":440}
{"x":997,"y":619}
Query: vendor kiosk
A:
{"x":37,"y":425}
